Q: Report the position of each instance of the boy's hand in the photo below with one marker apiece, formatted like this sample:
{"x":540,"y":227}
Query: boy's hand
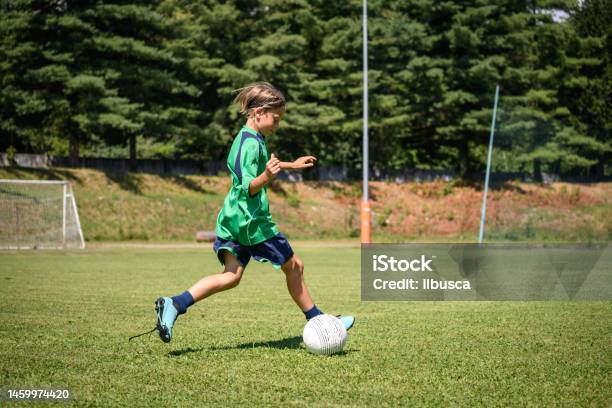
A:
{"x":304,"y":162}
{"x":273,"y":167}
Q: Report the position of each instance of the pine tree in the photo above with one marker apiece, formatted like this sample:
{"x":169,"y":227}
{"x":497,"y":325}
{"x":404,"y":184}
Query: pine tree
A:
{"x":588,"y":89}
{"x":47,"y":100}
{"x":542,"y":82}
{"x":76,"y":73}
{"x":81,"y":74}
{"x":130,"y":48}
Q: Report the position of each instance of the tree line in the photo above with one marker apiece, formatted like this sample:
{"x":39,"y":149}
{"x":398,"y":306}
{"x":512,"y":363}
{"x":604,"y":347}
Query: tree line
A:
{"x":155,"y":79}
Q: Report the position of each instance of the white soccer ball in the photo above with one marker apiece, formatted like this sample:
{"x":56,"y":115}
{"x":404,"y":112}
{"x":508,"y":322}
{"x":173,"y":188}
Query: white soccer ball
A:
{"x":324,"y":334}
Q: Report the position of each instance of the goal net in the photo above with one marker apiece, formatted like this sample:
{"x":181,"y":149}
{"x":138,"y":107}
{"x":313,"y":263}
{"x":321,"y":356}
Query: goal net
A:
{"x":38,"y":214}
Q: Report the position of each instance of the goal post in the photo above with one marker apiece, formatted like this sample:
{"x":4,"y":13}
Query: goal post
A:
{"x":39,"y":214}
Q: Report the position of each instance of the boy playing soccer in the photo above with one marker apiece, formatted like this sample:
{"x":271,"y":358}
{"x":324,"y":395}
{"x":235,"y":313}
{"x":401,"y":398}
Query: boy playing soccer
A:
{"x":244,"y":226}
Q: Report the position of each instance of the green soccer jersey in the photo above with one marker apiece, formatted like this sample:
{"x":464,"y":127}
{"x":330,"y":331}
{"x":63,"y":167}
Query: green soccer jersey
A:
{"x":245,"y":218}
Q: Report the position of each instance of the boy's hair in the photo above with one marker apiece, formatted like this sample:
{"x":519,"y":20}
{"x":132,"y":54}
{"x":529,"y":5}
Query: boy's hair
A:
{"x":259,"y":94}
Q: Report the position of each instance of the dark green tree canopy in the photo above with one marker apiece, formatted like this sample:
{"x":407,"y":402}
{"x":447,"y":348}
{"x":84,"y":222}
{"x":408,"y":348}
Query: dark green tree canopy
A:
{"x":95,"y":77}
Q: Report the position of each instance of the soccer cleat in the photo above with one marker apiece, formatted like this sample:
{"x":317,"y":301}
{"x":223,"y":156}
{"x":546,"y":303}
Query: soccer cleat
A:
{"x":347,"y":321}
{"x":166,"y":315}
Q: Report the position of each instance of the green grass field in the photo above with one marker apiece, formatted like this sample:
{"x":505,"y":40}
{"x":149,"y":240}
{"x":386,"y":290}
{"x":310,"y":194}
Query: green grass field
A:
{"x":67,"y":316}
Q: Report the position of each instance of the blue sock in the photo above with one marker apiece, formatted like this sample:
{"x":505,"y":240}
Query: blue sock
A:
{"x":183,"y":301}
{"x":312,"y":312}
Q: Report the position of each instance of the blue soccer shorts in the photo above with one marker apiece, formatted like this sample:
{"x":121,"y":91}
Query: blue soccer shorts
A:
{"x":275,"y":250}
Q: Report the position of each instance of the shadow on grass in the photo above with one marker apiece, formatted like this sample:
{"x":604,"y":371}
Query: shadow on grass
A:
{"x":292,"y":343}
{"x":181,"y":352}
{"x":127,"y":181}
{"x":187,"y":183}
{"x":287,"y":343}
{"x":132,"y":182}
{"x":44,"y":174}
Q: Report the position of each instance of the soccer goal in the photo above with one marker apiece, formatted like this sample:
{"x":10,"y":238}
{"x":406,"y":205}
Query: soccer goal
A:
{"x":38,"y":214}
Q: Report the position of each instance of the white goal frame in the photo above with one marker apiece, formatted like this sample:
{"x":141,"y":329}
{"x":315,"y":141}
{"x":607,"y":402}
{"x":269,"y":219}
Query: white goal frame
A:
{"x":68,"y":204}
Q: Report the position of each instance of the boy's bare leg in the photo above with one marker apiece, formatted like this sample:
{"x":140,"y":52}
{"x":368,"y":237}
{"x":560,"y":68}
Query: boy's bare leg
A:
{"x":229,"y":278}
{"x":168,"y":309}
{"x":294,"y":272}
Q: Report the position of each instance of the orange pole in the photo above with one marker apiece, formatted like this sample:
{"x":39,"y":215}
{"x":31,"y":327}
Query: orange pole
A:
{"x":366,"y":223}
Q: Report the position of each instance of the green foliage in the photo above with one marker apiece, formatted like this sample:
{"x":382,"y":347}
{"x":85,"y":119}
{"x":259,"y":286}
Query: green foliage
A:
{"x":88,"y":74}
{"x":103,"y":74}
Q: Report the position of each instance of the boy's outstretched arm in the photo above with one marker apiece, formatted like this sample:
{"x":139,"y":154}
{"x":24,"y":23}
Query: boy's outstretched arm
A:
{"x":303,"y":162}
{"x":274,"y":166}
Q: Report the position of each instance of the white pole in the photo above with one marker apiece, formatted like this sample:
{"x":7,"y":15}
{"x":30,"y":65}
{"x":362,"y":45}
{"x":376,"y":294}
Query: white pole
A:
{"x":486,"y":187}
{"x":365,"y":101}
{"x":366,"y":214}
{"x":78,"y":220}
{"x":65,"y":196}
